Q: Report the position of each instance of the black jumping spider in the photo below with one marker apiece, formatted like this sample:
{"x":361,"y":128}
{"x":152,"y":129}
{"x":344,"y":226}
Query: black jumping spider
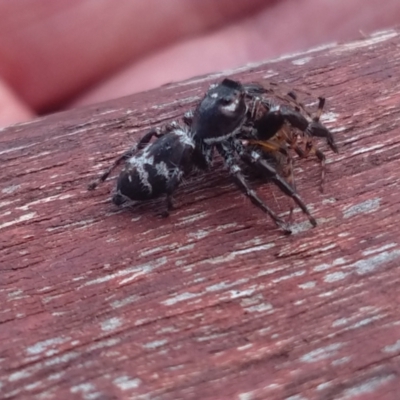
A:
{"x":224,"y":117}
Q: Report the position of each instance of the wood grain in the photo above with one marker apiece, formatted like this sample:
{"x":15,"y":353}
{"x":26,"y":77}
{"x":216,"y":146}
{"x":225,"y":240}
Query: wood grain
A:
{"x":213,"y":302}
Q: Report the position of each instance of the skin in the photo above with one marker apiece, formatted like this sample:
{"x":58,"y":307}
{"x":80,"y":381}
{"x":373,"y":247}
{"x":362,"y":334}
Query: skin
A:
{"x":66,"y":53}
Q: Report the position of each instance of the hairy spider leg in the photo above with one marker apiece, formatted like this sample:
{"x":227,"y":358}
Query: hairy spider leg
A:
{"x":310,"y":130}
{"x":143,"y":142}
{"x":172,"y":185}
{"x":271,"y":147}
{"x":228,"y":154}
{"x":316,"y":129}
{"x":269,"y":171}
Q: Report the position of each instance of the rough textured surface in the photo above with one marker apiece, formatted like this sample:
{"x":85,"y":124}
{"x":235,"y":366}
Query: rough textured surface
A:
{"x":214,"y":302}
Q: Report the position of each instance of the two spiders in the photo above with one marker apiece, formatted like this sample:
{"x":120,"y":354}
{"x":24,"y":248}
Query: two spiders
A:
{"x":243,"y":124}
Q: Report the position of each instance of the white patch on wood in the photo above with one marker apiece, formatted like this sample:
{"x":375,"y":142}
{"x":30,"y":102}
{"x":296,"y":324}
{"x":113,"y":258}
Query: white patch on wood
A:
{"x":340,"y":129}
{"x":325,"y":266}
{"x":393,"y":348}
{"x":335,"y":276}
{"x":10,"y":189}
{"x":368,"y":265}
{"x":302,"y":61}
{"x":351,"y":322}
{"x":296,"y":397}
{"x":327,"y":294}
{"x":126,"y":382}
{"x":167,"y":329}
{"x":286,"y":277}
{"x":329,"y":117}
{"x":232,"y":255}
{"x":301,"y":227}
{"x":12,"y":149}
{"x":192,"y":218}
{"x":111,"y":324}
{"x":366,"y":321}
{"x":152,"y":250}
{"x":341,"y":361}
{"x":362,"y":150}
{"x":15,"y":295}
{"x":45,"y":200}
{"x":270,"y":73}
{"x":379,"y":249}
{"x":133,"y":271}
{"x":122,"y":303}
{"x":155,"y":344}
{"x":5,"y":203}
{"x":343,"y":234}
{"x":246,"y":396}
{"x":307,"y":285}
{"x":367,"y":206}
{"x":366,"y":387}
{"x":39,"y":155}
{"x":323,"y":386}
{"x":65,"y":358}
{"x":22,"y":218}
{"x":262,"y":307}
{"x":16,"y":376}
{"x":225,"y":285}
{"x":207,"y":338}
{"x":200,"y":234}
{"x":80,"y":224}
{"x":322,"y":353}
{"x":40,"y":347}
{"x":180,"y":297}
{"x":235,"y":294}
{"x":134,"y":275}
{"x":87,"y":391}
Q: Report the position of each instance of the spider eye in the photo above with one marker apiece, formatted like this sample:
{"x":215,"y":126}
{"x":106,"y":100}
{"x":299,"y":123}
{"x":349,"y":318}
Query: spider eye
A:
{"x":225,"y":101}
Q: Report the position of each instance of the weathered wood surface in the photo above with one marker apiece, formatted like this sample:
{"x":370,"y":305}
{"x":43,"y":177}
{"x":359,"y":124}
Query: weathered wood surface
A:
{"x":214,"y":302}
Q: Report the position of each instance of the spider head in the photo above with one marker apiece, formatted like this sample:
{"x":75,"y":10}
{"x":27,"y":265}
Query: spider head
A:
{"x":220,"y":113}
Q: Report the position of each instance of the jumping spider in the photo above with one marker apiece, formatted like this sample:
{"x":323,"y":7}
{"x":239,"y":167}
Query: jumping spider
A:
{"x":220,"y":121}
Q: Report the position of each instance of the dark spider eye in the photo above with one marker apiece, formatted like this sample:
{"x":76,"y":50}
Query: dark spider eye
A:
{"x":225,"y":101}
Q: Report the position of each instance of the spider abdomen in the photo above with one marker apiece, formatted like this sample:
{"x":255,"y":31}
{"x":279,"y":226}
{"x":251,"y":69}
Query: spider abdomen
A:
{"x":157,"y":169}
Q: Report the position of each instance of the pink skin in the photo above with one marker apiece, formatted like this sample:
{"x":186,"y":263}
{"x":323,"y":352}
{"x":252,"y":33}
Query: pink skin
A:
{"x":60,"y":54}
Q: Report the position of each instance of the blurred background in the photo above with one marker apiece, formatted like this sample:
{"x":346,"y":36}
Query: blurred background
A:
{"x":62,"y":54}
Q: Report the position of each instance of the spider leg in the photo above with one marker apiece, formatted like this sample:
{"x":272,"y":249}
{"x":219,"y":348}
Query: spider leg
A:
{"x":273,"y":148}
{"x":269,"y":171}
{"x":172,"y":185}
{"x":310,"y":148}
{"x":143,"y":142}
{"x":235,"y":170}
{"x":188,"y":117}
{"x":315,"y":128}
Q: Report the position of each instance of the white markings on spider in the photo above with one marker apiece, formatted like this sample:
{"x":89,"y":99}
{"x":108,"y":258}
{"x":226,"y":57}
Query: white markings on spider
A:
{"x":232,"y":106}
